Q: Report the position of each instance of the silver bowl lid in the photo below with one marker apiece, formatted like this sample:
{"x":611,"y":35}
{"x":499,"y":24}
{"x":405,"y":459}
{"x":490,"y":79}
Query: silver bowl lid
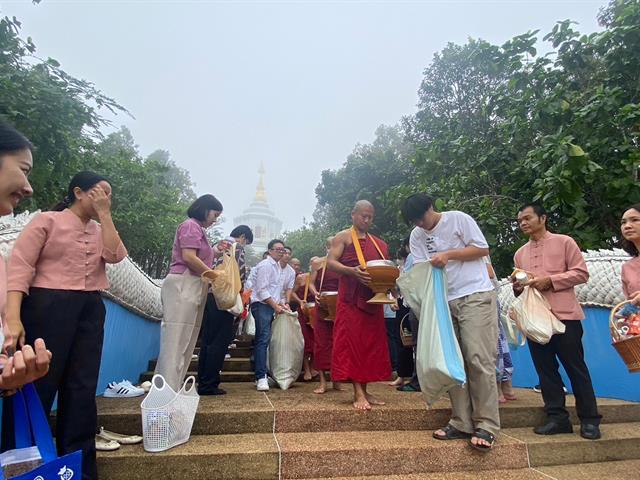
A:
{"x":381,"y":263}
{"x":310,"y":304}
{"x":323,"y":294}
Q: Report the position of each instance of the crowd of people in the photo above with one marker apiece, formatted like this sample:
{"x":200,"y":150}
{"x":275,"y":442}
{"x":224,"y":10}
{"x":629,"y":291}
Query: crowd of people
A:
{"x":53,"y":315}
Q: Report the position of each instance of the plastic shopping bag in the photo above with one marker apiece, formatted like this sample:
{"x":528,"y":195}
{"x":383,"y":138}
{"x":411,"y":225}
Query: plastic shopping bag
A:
{"x":286,"y":349}
{"x":40,"y":461}
{"x":439,"y":363}
{"x":227,"y":285}
{"x":533,"y":317}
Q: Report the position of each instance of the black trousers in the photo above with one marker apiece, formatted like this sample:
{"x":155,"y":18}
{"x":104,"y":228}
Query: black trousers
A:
{"x":217,"y":334}
{"x":566,"y":347}
{"x":72,"y":325}
{"x":406,"y":364}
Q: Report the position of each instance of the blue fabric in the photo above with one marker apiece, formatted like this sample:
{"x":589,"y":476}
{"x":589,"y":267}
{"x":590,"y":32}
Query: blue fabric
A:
{"x":408,"y":263}
{"x":33,"y":417}
{"x":263,"y":316}
{"x":445,"y":326}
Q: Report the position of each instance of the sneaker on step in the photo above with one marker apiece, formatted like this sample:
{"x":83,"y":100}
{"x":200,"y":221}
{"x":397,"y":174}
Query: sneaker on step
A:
{"x":538,"y":389}
{"x":263,"y":385}
{"x":232,"y":345}
{"x":122,"y":390}
{"x":227,"y":356}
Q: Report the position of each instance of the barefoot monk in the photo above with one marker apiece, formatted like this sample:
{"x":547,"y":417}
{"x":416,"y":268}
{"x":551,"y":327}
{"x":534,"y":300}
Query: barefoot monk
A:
{"x":360,"y":350}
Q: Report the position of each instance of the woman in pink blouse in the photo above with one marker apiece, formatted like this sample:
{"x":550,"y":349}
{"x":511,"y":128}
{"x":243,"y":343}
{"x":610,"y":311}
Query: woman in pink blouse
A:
{"x":630,"y":227}
{"x":183,"y":292}
{"x":56,"y":272}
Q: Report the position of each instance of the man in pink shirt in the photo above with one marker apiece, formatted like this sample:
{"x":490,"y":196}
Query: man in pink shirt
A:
{"x":557,"y":266}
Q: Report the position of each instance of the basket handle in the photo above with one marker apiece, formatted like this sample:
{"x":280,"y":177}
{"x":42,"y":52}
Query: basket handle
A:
{"x":612,"y":326}
{"x":189,"y":387}
{"x":158,"y":382}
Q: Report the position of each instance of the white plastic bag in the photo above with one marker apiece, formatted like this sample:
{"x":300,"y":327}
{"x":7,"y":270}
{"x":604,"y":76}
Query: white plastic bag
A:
{"x":533,"y":317}
{"x":439,"y":362}
{"x":286,"y":349}
{"x":237,"y":308}
{"x":167,"y":416}
{"x":250,"y":325}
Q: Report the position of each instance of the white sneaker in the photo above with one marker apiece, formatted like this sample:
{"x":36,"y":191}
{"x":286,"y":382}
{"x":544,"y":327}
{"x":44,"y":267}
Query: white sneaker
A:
{"x":227,"y":356}
{"x":122,"y":389}
{"x":263,"y":385}
{"x":232,"y":345}
{"x":146,"y":386}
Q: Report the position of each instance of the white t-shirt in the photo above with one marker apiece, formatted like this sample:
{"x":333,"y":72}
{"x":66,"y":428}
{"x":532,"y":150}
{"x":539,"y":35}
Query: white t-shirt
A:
{"x":454,"y":230}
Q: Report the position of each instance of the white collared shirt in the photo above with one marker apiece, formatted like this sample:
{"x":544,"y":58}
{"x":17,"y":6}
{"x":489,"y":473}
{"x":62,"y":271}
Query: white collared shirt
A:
{"x":288,"y":279}
{"x":267,"y":282}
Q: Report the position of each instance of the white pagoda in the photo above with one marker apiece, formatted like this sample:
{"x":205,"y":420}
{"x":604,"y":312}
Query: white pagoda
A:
{"x":260,"y":218}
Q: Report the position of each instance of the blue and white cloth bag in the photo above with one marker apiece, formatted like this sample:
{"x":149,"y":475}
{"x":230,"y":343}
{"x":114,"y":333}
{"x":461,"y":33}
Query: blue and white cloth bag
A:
{"x":34,"y":444}
{"x":439,"y":363}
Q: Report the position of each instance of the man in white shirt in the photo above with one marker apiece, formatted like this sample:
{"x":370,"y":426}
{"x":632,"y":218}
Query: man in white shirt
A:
{"x":266,"y":299}
{"x":288,"y":278}
{"x":453,"y":240}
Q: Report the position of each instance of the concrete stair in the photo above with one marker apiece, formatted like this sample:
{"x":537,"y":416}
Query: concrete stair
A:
{"x":297,"y":434}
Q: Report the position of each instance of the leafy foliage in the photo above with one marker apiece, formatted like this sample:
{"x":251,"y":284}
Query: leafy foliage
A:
{"x":498,"y":126}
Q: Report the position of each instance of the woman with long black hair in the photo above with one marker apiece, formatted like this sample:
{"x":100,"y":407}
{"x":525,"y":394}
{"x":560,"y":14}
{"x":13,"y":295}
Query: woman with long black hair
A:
{"x":56,"y":274}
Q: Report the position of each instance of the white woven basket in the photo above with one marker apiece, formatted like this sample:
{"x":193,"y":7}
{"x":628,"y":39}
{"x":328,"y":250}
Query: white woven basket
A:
{"x":167,"y":416}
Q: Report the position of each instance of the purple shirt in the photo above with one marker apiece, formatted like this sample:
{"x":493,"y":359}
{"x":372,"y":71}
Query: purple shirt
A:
{"x":190,"y":234}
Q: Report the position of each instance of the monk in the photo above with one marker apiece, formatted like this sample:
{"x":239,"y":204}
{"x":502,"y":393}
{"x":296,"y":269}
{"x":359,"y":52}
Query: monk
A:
{"x":360,"y":348}
{"x":323,"y":280}
{"x":301,"y":288}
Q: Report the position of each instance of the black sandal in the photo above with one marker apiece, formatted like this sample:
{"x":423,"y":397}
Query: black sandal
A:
{"x":451,"y":433}
{"x":482,"y":434}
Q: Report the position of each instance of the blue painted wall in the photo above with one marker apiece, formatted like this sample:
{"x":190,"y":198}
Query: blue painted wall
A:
{"x":609,"y":374}
{"x":130,"y":341}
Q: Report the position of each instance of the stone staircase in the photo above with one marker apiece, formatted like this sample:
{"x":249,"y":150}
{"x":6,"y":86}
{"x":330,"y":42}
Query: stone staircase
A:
{"x":296,"y":434}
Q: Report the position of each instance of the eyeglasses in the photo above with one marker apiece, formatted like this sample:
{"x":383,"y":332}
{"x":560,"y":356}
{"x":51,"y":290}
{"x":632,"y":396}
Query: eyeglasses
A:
{"x":279,"y":250}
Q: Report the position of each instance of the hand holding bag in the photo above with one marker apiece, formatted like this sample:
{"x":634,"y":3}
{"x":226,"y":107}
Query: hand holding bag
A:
{"x":31,"y":427}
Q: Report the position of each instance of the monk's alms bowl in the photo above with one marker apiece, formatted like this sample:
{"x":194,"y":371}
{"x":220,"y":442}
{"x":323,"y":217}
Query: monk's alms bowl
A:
{"x":328,"y":305}
{"x":384,"y":274}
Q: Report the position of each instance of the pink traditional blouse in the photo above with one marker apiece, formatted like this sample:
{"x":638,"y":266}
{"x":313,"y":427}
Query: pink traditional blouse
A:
{"x":631,"y":277}
{"x":57,"y":250}
{"x":558,"y":257}
{"x":191,"y":235}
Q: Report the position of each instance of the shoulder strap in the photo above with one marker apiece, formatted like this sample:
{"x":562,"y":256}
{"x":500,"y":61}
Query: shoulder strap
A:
{"x":356,"y":245}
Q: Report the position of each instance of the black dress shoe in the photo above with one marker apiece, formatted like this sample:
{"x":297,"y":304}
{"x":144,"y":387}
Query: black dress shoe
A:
{"x":213,"y":391}
{"x":552,"y":428}
{"x":590,"y":431}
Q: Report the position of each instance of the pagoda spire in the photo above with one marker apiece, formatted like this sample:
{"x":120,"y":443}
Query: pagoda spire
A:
{"x":261,"y":194}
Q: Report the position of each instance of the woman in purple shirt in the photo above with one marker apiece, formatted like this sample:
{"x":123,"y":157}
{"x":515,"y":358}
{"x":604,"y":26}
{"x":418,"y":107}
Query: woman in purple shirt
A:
{"x":183,"y":291}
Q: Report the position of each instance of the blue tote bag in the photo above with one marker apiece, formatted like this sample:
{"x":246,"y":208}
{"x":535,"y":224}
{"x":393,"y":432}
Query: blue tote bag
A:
{"x":32,"y":430}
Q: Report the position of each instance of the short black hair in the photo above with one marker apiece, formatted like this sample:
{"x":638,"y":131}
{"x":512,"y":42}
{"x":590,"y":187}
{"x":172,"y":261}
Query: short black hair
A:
{"x":287,"y":247}
{"x":415,"y":206}
{"x":242,"y":230}
{"x":625,"y":244}
{"x":202,"y":206}
{"x":273,"y":242}
{"x":538,"y":209}
{"x":11,"y":140}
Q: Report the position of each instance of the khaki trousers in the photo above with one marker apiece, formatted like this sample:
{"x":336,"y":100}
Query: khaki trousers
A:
{"x":183,"y":300}
{"x":475,"y":404}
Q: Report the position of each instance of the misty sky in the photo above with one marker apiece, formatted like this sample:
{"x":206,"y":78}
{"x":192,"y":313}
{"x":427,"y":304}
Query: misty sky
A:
{"x":225,"y":85}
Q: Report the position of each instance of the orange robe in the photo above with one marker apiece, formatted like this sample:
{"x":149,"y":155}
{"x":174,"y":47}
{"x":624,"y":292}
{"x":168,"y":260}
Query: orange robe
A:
{"x":360,"y":346}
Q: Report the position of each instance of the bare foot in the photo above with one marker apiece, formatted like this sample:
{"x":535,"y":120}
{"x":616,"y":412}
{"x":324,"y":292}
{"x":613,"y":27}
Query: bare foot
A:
{"x":314,"y":373}
{"x":373,"y":400}
{"x":361,"y":404}
{"x":320,"y":390}
{"x":501,"y":399}
{"x":397,"y":382}
{"x":307,"y":376}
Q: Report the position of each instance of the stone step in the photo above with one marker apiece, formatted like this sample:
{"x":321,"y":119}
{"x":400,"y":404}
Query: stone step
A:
{"x":620,"y":441}
{"x":225,"y":376}
{"x":232,"y":457}
{"x":384,"y":454}
{"x":230,"y":364}
{"x":615,"y":470}
{"x":244,"y":410}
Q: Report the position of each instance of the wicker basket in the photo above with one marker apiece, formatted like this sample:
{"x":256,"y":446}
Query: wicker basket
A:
{"x":406,"y":337}
{"x":628,"y":349}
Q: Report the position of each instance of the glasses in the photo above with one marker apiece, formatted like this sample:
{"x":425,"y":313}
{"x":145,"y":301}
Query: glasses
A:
{"x":279,"y":250}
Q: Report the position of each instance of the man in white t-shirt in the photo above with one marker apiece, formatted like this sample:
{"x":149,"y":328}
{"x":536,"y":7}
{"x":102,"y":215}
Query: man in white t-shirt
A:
{"x":453,"y":241}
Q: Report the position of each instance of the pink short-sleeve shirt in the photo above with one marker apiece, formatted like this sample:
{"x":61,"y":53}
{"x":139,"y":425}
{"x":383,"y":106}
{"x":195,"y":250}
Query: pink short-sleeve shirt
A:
{"x":190,"y":234}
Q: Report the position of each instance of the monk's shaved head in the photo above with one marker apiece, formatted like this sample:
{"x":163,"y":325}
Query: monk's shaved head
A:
{"x":360,"y":204}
